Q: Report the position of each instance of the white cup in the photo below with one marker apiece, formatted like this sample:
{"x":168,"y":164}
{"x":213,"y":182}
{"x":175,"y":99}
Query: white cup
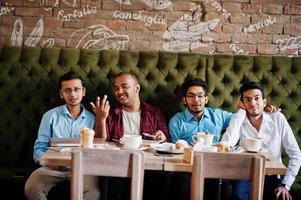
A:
{"x":131,"y":141}
{"x":206,"y":138}
{"x":167,"y":146}
{"x":86,"y":138}
{"x":253,"y":144}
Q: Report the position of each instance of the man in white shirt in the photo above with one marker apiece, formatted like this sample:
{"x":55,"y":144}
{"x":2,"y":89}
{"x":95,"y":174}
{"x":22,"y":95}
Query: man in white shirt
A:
{"x":276,"y":134}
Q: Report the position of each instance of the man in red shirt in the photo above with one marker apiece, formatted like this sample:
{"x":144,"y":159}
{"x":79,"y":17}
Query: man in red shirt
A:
{"x":130,"y":116}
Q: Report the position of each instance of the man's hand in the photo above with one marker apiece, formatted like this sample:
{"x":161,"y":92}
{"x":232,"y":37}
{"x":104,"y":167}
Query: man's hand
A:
{"x":271,"y":109}
{"x":101,"y":109}
{"x":283,"y":192}
{"x":239,"y":104}
{"x":159,"y":136}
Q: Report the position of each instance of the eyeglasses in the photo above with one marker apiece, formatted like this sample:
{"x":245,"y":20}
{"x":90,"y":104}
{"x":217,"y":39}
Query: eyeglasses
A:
{"x":192,"y":96}
{"x":69,"y":90}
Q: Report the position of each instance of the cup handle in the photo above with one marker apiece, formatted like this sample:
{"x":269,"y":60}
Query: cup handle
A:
{"x":195,"y":138}
{"x":121,"y":140}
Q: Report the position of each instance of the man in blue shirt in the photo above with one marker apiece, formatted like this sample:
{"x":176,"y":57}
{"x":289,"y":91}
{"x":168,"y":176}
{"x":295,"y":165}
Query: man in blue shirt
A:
{"x":61,"y":122}
{"x":197,"y":118}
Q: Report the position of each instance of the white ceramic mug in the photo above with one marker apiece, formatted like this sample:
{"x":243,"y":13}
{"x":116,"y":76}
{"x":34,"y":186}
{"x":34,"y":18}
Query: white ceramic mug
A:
{"x":207,"y":138}
{"x":131,"y":141}
{"x":253,"y":144}
{"x":86,"y":138}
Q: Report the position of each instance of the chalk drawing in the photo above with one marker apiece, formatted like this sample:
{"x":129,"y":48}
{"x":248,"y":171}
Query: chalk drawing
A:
{"x":187,"y":31}
{"x":105,"y":37}
{"x":259,"y":25}
{"x":290,"y":43}
{"x":6,"y":9}
{"x":17,"y":34}
{"x":34,"y":37}
{"x":148,"y":20}
{"x":44,"y":3}
{"x":236,"y":49}
{"x":219,"y":8}
{"x":76,"y":13}
{"x":35,"y":34}
{"x":156,"y":4}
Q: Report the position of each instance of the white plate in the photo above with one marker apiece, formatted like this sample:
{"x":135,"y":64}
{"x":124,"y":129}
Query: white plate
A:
{"x":142,"y":148}
{"x":159,"y":148}
{"x":150,"y":142}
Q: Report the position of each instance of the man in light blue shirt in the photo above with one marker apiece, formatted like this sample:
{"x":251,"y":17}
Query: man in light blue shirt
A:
{"x":196,"y":117}
{"x":61,"y":122}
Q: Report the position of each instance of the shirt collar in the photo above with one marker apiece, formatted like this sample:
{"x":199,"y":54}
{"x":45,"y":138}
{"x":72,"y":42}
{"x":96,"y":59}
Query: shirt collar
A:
{"x":189,"y":116}
{"x":266,"y":118}
{"x":82,"y":114}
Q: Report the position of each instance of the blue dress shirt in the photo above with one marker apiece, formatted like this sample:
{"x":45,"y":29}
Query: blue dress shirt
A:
{"x":183,"y":124}
{"x":59,"y":123}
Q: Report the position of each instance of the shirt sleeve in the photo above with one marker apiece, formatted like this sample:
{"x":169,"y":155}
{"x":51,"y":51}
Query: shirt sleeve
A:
{"x":42,"y":141}
{"x":174,"y":130}
{"x":162,"y":125}
{"x":231,"y":135}
{"x":292,"y":149}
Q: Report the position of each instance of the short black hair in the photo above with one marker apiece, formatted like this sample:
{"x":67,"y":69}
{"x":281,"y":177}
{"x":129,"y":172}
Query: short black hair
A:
{"x":190,"y":81}
{"x":130,"y":73}
{"x":251,"y":86}
{"x":70,"y":76}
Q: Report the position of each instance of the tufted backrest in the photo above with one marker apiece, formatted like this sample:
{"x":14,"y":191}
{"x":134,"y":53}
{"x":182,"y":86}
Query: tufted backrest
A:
{"x":29,"y":82}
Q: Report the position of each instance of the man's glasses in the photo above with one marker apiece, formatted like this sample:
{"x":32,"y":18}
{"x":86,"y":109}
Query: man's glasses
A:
{"x":192,"y":96}
{"x":69,"y":90}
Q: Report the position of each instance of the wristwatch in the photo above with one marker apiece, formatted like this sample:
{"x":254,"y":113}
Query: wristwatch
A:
{"x":285,"y":186}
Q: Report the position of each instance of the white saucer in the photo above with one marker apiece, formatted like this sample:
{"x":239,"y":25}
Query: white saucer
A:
{"x":159,"y":148}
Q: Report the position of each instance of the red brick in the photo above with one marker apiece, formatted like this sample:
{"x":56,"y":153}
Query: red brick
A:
{"x":248,"y":48}
{"x":11,"y":3}
{"x":231,"y":28}
{"x":209,"y":37}
{"x":77,"y":24}
{"x":292,"y":10}
{"x":223,"y":38}
{"x":294,"y":29}
{"x":8,"y":20}
{"x":232,"y":7}
{"x":6,"y":30}
{"x":296,"y":19}
{"x":223,"y":48}
{"x":136,"y":5}
{"x":111,"y":5}
{"x":146,"y":36}
{"x":173,"y":16}
{"x":22,"y":11}
{"x":93,"y":21}
{"x":289,"y":51}
{"x":135,"y":25}
{"x":295,"y":2}
{"x":53,"y":22}
{"x":251,"y":9}
{"x":275,"y":28}
{"x":182,"y":5}
{"x":204,"y":49}
{"x":273,"y":9}
{"x":271,"y":1}
{"x":105,"y":14}
{"x":239,"y":1}
{"x":156,"y":45}
{"x":239,"y":19}
{"x":243,"y":38}
{"x":157,"y":27}
{"x":116,"y":24}
{"x":139,"y":45}
{"x":263,"y":38}
{"x":60,"y":42}
{"x":277,"y":37}
{"x":269,"y":49}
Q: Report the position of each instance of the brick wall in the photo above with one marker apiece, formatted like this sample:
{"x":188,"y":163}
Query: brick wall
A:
{"x":209,"y":26}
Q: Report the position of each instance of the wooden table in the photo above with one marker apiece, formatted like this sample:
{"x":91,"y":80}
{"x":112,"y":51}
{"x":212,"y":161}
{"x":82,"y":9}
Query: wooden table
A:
{"x":152,"y":162}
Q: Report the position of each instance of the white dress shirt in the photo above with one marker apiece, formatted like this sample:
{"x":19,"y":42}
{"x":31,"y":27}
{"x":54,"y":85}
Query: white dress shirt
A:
{"x":275,"y":133}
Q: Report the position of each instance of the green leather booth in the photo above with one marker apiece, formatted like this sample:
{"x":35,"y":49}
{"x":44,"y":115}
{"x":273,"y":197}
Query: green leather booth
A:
{"x":29,"y":82}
